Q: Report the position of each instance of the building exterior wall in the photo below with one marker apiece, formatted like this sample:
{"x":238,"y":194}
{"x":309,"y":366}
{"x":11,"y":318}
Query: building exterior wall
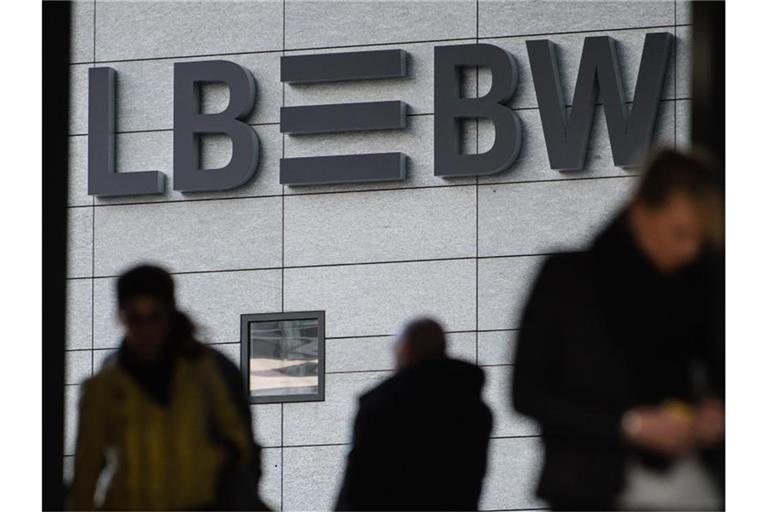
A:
{"x":370,"y":255}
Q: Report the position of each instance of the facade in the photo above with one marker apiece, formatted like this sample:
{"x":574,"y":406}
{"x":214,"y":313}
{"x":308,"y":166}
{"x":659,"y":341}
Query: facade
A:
{"x":369,"y":255}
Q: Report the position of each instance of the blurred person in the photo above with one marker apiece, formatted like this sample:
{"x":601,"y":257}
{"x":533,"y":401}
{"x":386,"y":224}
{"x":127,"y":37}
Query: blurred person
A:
{"x":165,"y":418}
{"x":420,"y":438}
{"x":620,"y":353}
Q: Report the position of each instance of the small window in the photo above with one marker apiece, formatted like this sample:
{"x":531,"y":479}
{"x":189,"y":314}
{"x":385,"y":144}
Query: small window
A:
{"x":283,"y":356}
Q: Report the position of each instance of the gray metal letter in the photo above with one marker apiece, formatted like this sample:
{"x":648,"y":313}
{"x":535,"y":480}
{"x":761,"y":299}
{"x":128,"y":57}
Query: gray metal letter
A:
{"x":450,"y":108}
{"x":103,"y":178}
{"x":567,"y":136}
{"x":189,"y":123}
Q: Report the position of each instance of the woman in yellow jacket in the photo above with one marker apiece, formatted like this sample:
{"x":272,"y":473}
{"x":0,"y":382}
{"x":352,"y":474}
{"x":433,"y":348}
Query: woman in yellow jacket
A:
{"x":158,"y":416}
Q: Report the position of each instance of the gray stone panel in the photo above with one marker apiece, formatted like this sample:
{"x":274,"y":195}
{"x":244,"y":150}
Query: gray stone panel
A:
{"x":78,"y":366}
{"x":537,"y":218}
{"x":80,"y":242}
{"x":504,"y":285}
{"x":82,"y":31}
{"x":189,"y":236}
{"x":496,"y":347}
{"x":374,"y":299}
{"x":141,"y":30}
{"x":312,"y":476}
{"x":79,"y":313}
{"x":506,"y":421}
{"x":267,"y":424}
{"x":504,"y":18}
{"x":684,"y":50}
{"x":271,"y":482}
{"x":513,"y":471}
{"x":380,"y":226}
{"x":312,"y":24}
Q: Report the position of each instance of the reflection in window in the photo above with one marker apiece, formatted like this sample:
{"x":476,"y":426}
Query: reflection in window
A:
{"x":284,"y":357}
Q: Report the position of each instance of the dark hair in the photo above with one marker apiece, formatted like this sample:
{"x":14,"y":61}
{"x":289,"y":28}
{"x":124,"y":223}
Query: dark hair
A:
{"x":147,"y":280}
{"x":156,"y":282}
{"x":669,"y":171}
{"x":693,"y":174}
{"x":425,"y":338}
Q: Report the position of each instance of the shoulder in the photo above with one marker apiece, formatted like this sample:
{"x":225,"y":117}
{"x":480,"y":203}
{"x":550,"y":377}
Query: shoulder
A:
{"x":565,"y":263}
{"x":562,"y":270}
{"x":381,"y":394}
{"x":104,"y":383}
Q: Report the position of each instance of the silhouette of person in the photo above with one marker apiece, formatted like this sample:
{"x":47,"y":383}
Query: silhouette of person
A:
{"x":620,"y":353}
{"x":164,"y":417}
{"x":420,"y":438}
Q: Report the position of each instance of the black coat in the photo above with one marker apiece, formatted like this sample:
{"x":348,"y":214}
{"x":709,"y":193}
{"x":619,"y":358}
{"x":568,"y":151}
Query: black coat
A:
{"x":420,"y":441}
{"x":604,"y":332}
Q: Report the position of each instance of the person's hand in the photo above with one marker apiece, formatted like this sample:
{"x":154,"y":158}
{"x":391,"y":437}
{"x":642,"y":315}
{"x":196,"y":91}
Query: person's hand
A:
{"x":709,"y":422}
{"x":659,"y":429}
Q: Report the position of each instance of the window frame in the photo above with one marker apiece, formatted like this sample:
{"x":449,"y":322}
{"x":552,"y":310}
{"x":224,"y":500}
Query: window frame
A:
{"x":245,"y":354}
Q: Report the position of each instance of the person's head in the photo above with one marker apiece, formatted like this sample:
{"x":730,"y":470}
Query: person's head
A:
{"x":677,"y":209}
{"x":146,"y":308}
{"x":419,"y":340}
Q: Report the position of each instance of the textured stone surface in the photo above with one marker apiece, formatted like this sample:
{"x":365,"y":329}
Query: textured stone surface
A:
{"x":78,"y":366}
{"x":498,"y":395}
{"x":496,"y":347}
{"x":375,"y":299}
{"x":380,"y":226}
{"x":536,"y":218}
{"x":189,"y":236}
{"x":71,"y":397}
{"x":267,"y":424}
{"x":141,"y":30}
{"x":270,"y":485}
{"x":82,"y":31}
{"x":79,"y":313}
{"x":311,"y":24}
{"x":504,"y":18}
{"x":683,"y":134}
{"x":80,"y":242}
{"x":684,"y":61}
{"x":503,"y":285}
{"x":312,"y":476}
{"x":78,"y":98}
{"x":513,"y":471}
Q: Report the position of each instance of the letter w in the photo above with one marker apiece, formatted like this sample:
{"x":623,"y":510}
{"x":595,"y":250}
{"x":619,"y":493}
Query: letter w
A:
{"x":567,"y":136}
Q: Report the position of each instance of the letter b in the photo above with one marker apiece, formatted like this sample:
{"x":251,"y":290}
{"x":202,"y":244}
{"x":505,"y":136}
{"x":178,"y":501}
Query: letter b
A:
{"x":451,"y":108}
{"x":189,"y":124}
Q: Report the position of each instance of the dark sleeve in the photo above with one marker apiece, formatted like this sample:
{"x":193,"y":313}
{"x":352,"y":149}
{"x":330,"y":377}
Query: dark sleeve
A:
{"x":536,"y":383}
{"x":354,"y":493}
{"x":715,"y":327}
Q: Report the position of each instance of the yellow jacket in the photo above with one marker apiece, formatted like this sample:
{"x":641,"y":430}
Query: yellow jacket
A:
{"x":163,"y":457}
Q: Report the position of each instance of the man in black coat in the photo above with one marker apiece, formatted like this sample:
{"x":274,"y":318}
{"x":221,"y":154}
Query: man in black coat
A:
{"x":620,"y":354}
{"x":420,"y":438}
